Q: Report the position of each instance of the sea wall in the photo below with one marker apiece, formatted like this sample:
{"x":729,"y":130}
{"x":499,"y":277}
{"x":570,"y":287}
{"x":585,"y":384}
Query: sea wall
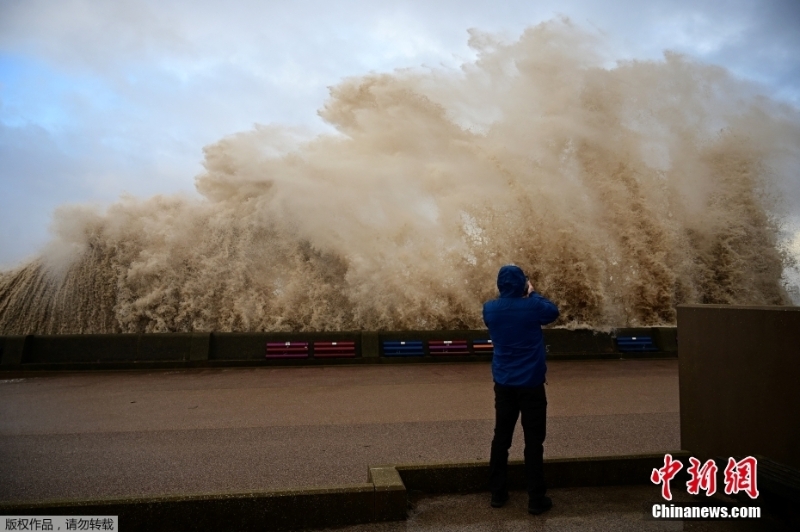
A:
{"x":112,"y":351}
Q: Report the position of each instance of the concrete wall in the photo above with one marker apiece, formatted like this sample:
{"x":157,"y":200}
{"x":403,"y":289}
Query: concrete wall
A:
{"x":251,"y":346}
{"x":88,"y":351}
{"x":739,"y":381}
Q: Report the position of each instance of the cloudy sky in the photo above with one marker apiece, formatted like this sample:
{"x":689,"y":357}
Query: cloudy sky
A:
{"x":100,"y":98}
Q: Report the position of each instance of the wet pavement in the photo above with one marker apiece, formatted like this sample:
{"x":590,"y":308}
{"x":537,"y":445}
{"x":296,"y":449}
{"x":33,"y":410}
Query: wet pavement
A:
{"x":617,"y":508}
{"x":128,"y":433}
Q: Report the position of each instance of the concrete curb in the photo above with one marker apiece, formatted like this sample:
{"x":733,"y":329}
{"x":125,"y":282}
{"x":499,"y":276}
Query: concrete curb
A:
{"x":558,"y":472}
{"x":382,"y":498}
{"x":268,"y":510}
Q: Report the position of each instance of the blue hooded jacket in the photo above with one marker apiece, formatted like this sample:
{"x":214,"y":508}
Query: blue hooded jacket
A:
{"x":515,"y":326}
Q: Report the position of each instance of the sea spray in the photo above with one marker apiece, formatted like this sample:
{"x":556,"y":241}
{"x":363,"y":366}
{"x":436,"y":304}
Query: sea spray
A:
{"x":622,"y":191}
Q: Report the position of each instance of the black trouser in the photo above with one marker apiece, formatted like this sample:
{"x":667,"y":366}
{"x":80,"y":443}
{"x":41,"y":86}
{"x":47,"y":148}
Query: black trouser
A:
{"x":508,"y":403}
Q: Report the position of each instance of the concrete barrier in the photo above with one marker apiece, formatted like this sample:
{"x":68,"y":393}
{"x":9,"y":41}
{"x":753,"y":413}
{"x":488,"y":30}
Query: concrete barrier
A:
{"x":237,"y":346}
{"x":738,"y":373}
{"x":12,"y":350}
{"x":251,"y":346}
{"x":171,"y":350}
{"x":580,"y":342}
{"x":100,"y":348}
{"x":81,"y":348}
{"x":739,"y":370}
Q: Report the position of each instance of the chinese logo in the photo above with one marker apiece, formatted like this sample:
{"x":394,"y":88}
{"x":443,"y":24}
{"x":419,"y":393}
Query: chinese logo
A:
{"x":738,"y":476}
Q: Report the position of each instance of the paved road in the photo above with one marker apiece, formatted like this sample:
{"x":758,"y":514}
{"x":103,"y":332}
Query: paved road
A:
{"x":109,"y":434}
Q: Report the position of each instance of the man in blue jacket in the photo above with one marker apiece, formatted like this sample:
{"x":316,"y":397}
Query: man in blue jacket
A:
{"x":515,"y":322}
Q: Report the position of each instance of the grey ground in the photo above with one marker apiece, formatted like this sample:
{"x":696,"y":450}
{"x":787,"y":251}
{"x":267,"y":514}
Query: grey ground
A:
{"x":78,"y":435}
{"x":115,"y":434}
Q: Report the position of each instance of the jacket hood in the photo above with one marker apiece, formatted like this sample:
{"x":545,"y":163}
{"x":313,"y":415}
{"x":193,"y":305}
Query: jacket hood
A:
{"x":511,"y":281}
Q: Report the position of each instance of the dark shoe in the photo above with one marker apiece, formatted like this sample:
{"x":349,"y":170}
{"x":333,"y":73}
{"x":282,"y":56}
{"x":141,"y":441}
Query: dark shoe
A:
{"x":540,"y":506}
{"x":499,"y":499}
